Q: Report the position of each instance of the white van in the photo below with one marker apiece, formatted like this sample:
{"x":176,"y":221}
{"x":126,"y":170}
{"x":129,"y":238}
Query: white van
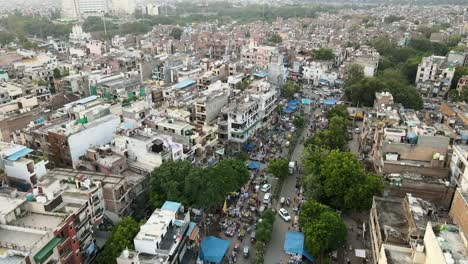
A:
{"x":292,"y":167}
{"x":267,"y":198}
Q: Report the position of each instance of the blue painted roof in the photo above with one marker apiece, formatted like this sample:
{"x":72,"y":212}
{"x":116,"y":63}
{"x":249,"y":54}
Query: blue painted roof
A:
{"x":190,"y":228}
{"x":254,"y":165}
{"x":171,"y":206}
{"x":329,"y":102}
{"x":184,"y":84}
{"x":261,"y":74}
{"x":19,"y":154}
{"x":306,"y":101}
{"x":81,"y":101}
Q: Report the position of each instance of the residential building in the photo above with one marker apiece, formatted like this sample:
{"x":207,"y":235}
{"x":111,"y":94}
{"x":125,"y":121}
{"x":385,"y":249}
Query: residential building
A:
{"x":70,"y":8}
{"x":459,"y":210}
{"x":77,"y":36}
{"x":434,"y":76}
{"x":152,"y":10}
{"x":71,"y":139}
{"x":259,"y":55}
{"x":239,"y":120}
{"x":22,"y":172}
{"x":458,"y":164}
{"x":44,"y":229}
{"x":123,"y":6}
{"x":462,"y":83}
{"x":166,"y":237}
{"x":366,"y":57}
{"x":210,"y":102}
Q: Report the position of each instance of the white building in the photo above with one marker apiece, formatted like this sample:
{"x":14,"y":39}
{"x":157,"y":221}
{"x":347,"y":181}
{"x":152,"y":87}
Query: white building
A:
{"x":83,"y":8}
{"x":367,"y":57}
{"x":211,"y":101}
{"x":458,"y":164}
{"x":147,"y":150}
{"x":152,"y":10}
{"x":316,"y":71}
{"x":77,"y":36}
{"x":16,"y":166}
{"x":434,"y":76}
{"x":123,"y":6}
{"x":70,"y":9}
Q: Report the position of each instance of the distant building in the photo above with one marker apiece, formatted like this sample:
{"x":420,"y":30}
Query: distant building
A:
{"x":123,"y":6}
{"x":458,"y":166}
{"x":152,"y":10}
{"x":434,"y":76}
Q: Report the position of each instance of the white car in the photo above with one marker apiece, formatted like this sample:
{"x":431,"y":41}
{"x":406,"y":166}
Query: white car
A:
{"x":267,"y":198}
{"x":284,"y":214}
{"x":266,"y":187}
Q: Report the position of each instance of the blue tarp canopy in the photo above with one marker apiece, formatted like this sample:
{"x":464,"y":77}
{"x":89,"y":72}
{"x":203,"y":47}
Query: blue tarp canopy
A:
{"x":171,"y":206}
{"x":324,"y":81}
{"x":293,"y":102}
{"x":213,"y":249}
{"x":288,"y":110}
{"x":254,"y":165}
{"x":306,"y":101}
{"x":261,"y":74}
{"x":185,"y":84}
{"x":464,"y":136}
{"x":19,"y":154}
{"x":190,"y":229}
{"x":249,"y":147}
{"x":329,"y":102}
{"x":294,"y":244}
{"x":40,"y":120}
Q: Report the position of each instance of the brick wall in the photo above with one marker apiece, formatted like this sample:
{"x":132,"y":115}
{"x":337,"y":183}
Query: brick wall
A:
{"x":459,"y":211}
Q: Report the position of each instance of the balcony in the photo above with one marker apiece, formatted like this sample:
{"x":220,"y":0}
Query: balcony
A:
{"x":66,"y":253}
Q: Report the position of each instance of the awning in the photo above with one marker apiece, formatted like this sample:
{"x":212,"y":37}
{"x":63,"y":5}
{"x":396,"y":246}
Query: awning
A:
{"x":192,"y":231}
{"x":19,"y":154}
{"x":254,"y":165}
{"x":329,"y":102}
{"x":294,"y":244}
{"x":220,"y":151}
{"x":213,"y":249}
{"x":306,"y":101}
{"x":360,"y":253}
{"x":47,"y":250}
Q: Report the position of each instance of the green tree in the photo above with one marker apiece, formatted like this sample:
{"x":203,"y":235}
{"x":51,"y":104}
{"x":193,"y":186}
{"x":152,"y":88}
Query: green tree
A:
{"x":355,"y":74}
{"x":332,"y":138}
{"x":392,"y":18}
{"x":56,"y":73}
{"x":324,"y":229}
{"x":339,"y":110}
{"x":6,"y":38}
{"x":323,"y":54}
{"x":275,"y":38}
{"x":176,"y":33}
{"x":265,"y":227}
{"x":299,"y":121}
{"x":289,"y":89}
{"x":121,"y":238}
{"x":459,"y":72}
{"x":168,"y":182}
{"x":279,"y":168}
{"x":342,"y":181}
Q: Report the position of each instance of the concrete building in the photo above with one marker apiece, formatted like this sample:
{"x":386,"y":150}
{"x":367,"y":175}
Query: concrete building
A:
{"x":399,"y":223}
{"x":123,"y":6}
{"x":459,"y":210}
{"x":77,"y":36}
{"x":21,"y":171}
{"x":315,"y":72}
{"x":70,"y":9}
{"x":434,"y":76}
{"x":366,"y":57}
{"x":70,"y":140}
{"x":462,"y":83}
{"x":209,"y":104}
{"x":458,"y":164}
{"x":147,"y":150}
{"x":152,"y":9}
{"x":259,"y":55}
{"x":44,"y":229}
{"x":166,"y":237}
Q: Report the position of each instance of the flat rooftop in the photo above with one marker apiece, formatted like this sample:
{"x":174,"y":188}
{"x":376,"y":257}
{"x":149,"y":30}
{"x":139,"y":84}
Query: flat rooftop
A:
{"x":107,"y":180}
{"x":451,"y":241}
{"x":20,"y":238}
{"x":39,"y":221}
{"x":398,"y":257}
{"x":8,"y":204}
{"x":391,"y":217}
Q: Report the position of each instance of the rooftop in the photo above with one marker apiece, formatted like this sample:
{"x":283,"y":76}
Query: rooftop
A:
{"x":23,"y":239}
{"x":9,"y":204}
{"x":392,"y":220}
{"x":452,"y":243}
{"x":39,"y":221}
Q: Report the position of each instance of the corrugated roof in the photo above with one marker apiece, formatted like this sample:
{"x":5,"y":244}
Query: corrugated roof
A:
{"x":184,"y":84}
{"x":19,"y":154}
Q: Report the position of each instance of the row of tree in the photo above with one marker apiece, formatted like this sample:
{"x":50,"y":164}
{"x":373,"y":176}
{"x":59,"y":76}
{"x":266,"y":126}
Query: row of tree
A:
{"x":263,"y":235}
{"x":360,"y":90}
{"x":181,"y":181}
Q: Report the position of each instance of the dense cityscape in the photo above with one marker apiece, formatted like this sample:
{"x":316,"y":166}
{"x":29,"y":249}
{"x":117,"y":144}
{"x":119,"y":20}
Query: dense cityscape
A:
{"x":144,"y":131}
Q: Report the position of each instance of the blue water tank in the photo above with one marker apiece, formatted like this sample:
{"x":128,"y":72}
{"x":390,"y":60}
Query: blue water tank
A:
{"x":412,"y":138}
{"x":29,"y":197}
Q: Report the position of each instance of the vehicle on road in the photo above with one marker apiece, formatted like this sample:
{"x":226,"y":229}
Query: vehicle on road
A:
{"x":357,"y":130}
{"x":246,"y":251}
{"x":266,"y":187}
{"x":292,"y":167}
{"x":284,"y":214}
{"x":282,"y":200}
{"x":267,"y":198}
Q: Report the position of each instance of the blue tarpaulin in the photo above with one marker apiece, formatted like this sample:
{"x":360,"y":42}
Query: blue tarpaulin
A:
{"x":171,"y":206}
{"x":254,"y":165}
{"x":185,"y":84}
{"x":329,"y":102}
{"x":306,"y":101}
{"x":261,"y":74}
{"x":293,"y":102}
{"x":40,"y":120}
{"x":90,"y":249}
{"x":19,"y":154}
{"x":249,"y":147}
{"x":190,"y":229}
{"x":288,"y":110}
{"x":294,"y":244}
{"x":213,"y":249}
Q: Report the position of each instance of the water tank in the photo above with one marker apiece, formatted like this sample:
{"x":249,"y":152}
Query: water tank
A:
{"x":29,"y":197}
{"x":158,"y":146}
{"x":412,"y":138}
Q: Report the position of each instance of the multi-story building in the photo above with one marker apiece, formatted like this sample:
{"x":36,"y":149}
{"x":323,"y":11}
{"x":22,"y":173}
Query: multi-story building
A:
{"x":259,"y":55}
{"x":210,"y":102}
{"x":71,"y":139}
{"x":462,"y":83}
{"x":458,"y":164}
{"x":366,"y":57}
{"x":70,"y":9}
{"x":167,"y":237}
{"x":459,"y":210}
{"x":42,"y":228}
{"x":145,"y":149}
{"x":22,"y":172}
{"x":434,"y":76}
{"x":123,"y":6}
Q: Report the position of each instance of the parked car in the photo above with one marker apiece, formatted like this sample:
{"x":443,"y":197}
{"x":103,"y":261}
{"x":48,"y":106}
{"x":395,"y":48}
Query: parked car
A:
{"x":284,"y":214}
{"x":266,"y":187}
{"x":357,"y":130}
{"x":246,"y":251}
{"x":267,"y":198}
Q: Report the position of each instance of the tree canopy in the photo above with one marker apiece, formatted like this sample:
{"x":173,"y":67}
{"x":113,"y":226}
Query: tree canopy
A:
{"x":289,"y":89}
{"x":459,"y":72}
{"x":338,"y":179}
{"x":279,"y":168}
{"x":121,"y":238}
{"x":324,"y":229}
{"x":176,"y":33}
{"x":323,"y":54}
{"x":299,"y":121}
{"x":275,"y":38}
{"x":334,"y":137}
{"x":180,"y":181}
